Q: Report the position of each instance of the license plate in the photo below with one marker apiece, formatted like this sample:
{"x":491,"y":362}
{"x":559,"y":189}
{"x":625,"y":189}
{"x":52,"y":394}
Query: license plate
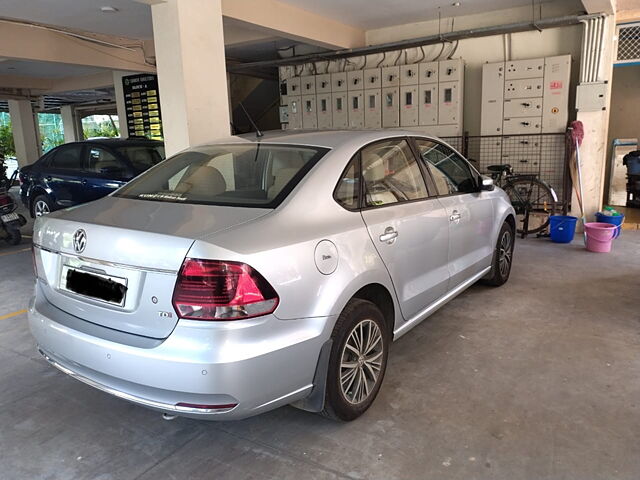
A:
{"x":9,"y":217}
{"x":105,"y":288}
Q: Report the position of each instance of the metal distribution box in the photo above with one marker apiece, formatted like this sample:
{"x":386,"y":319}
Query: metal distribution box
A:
{"x":449,"y":104}
{"x":325,"y":114}
{"x":451,"y":71}
{"x":534,"y":97}
{"x":428,"y":72}
{"x":339,"y":110}
{"x":309,"y":114}
{"x":355,"y":80}
{"x":323,"y":83}
{"x":409,"y":74}
{"x":339,"y":82}
{"x":390,"y":107}
{"x":372,"y":108}
{"x":308,"y":85}
{"x":294,"y":108}
{"x":372,"y":78}
{"x":409,"y":110}
{"x":428,"y":104}
{"x":293,"y":86}
{"x":390,"y":76}
{"x":492,"y":112}
{"x":356,"y":109}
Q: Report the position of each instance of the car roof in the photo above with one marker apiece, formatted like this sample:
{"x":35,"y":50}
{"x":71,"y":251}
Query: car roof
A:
{"x":121,"y":142}
{"x":322,"y":138}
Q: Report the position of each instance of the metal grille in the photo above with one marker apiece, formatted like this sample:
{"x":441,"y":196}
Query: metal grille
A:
{"x":629,"y":43}
{"x":543,"y":155}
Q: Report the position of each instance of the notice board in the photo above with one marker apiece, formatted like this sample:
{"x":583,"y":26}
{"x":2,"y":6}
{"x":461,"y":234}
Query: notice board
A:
{"x":142,"y":104}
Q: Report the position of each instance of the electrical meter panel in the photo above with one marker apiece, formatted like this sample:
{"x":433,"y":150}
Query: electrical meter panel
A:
{"x":309,"y":115}
{"x":356,"y":109}
{"x":451,"y":70}
{"x":390,"y":107}
{"x":426,"y":97}
{"x":526,"y":96}
{"x":339,"y":82}
{"x":339,"y":110}
{"x":294,"y":108}
{"x":428,"y":104}
{"x":323,"y":83}
{"x":308,"y":85}
{"x":355,"y":80}
{"x":372,"y":78}
{"x":325,"y":114}
{"x":372,"y":108}
{"x":409,"y":74}
{"x":390,"y":76}
{"x":409,"y":110}
{"x":428,"y":72}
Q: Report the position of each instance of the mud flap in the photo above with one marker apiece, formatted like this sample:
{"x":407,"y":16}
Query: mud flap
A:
{"x":314,"y":402}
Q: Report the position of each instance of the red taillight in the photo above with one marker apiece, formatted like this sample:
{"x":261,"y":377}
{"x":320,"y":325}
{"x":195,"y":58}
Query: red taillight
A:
{"x":5,"y":199}
{"x":216,"y":290}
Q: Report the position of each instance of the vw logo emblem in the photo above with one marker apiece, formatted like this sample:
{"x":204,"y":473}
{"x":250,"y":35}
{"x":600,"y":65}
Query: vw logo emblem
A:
{"x":79,"y":240}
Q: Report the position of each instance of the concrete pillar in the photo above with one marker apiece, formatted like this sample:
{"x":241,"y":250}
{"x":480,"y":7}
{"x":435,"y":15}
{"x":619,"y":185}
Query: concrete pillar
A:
{"x":69,"y":124}
{"x":594,"y":147}
{"x":120,"y":107}
{"x":24,"y":132}
{"x":192,"y":78}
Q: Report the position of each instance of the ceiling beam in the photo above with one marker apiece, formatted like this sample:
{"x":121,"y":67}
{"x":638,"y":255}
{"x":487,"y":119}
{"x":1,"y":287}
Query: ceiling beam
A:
{"x":26,"y":42}
{"x":600,"y":6}
{"x":280,"y":19}
{"x":626,"y":16}
{"x":85,"y":82}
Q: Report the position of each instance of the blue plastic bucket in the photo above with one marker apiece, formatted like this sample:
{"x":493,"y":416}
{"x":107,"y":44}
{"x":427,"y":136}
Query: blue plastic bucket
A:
{"x":562,"y":228}
{"x":618,"y":220}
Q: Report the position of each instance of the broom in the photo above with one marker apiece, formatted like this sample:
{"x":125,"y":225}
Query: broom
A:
{"x":576,"y":131}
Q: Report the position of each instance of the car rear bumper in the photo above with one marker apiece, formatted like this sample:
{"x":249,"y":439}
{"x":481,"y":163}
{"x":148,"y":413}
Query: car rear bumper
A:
{"x":243,"y":368}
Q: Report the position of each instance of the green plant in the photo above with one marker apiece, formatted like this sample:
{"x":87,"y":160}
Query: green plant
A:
{"x":102,"y":129}
{"x":7,"y":147}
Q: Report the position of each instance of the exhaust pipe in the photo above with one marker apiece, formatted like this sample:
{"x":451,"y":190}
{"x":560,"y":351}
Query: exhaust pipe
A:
{"x":168,"y":417}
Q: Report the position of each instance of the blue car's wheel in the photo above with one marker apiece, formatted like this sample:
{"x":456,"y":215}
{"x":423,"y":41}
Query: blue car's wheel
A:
{"x":41,"y":206}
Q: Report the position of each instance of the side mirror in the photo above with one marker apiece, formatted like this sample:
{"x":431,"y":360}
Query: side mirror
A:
{"x":486,"y":184}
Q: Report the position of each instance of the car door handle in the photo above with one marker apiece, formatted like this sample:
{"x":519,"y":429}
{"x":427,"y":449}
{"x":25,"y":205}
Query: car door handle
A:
{"x":84,"y":181}
{"x":48,"y":178}
{"x":389,"y":235}
{"x":455,"y":216}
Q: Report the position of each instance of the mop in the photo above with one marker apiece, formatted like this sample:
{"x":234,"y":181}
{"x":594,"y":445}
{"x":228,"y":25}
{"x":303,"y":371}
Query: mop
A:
{"x":576,"y":131}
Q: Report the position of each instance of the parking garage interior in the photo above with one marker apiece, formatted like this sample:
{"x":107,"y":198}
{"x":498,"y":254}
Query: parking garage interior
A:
{"x":535,"y":379}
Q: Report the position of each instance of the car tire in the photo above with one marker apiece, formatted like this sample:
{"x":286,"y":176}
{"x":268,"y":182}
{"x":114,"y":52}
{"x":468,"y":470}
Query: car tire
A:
{"x":502,"y":257}
{"x":42,"y":205}
{"x":362,"y":369}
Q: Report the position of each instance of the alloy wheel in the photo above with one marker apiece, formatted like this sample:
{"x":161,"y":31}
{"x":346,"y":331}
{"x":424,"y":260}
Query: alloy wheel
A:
{"x":41,"y":208}
{"x":504,"y":257}
{"x":361,"y":361}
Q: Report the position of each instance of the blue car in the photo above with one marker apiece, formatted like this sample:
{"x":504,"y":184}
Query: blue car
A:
{"x":81,"y":172}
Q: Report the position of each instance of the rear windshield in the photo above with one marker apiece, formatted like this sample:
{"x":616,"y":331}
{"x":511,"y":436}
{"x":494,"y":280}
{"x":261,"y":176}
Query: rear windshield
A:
{"x":143,"y":157}
{"x":256,"y":175}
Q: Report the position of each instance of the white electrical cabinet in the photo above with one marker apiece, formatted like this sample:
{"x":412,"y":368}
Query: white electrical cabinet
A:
{"x":339,"y":110}
{"x":425,"y":97}
{"x":325,"y":113}
{"x":309,"y":114}
{"x":409,"y":111}
{"x":372,"y":108}
{"x":526,"y":96}
{"x":390,"y":107}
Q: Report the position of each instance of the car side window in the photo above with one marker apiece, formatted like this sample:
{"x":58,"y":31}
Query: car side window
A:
{"x":103,"y":162}
{"x":348,"y":189}
{"x":391,"y":173}
{"x":68,"y":157}
{"x":451,"y":173}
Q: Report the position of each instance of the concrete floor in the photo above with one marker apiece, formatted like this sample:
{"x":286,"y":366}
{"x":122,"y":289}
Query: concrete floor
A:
{"x":539,"y":379}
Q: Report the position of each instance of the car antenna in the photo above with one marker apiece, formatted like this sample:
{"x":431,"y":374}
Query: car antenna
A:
{"x":253,"y":124}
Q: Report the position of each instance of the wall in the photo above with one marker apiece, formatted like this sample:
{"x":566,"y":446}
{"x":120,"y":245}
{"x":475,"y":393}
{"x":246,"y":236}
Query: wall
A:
{"x":475,"y":52}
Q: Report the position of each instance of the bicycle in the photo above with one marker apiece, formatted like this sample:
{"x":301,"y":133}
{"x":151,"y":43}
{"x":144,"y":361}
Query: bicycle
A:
{"x":534,"y":200}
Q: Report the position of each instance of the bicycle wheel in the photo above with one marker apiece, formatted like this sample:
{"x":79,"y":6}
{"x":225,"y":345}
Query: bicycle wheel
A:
{"x":532,"y":195}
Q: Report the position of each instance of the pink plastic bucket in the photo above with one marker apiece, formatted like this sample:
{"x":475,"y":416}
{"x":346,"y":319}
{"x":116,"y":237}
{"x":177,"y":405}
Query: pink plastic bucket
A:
{"x":599,"y":236}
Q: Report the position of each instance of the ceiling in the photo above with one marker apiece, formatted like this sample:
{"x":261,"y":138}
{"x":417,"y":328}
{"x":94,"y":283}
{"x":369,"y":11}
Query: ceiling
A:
{"x":367,"y":14}
{"x":32,"y":68}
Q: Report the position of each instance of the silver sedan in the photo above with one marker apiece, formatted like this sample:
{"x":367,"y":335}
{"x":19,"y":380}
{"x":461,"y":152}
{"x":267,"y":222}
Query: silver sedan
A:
{"x":237,"y":277}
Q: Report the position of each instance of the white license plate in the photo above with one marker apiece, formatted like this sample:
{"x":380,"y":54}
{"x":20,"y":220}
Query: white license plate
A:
{"x":98,"y":286}
{"x":9,"y":217}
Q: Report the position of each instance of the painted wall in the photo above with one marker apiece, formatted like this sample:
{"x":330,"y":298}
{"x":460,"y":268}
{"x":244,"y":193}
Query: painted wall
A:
{"x":476,"y":52}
